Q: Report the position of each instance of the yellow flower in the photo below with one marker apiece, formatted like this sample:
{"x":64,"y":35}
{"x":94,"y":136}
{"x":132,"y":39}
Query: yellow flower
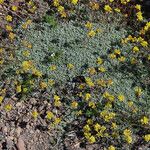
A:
{"x":114,"y":125}
{"x":147,"y":137}
{"x":103,"y":128}
{"x":111,"y":98}
{"x":148,"y":57}
{"x":117,"y":52}
{"x":87,"y":135}
{"x":99,"y":30}
{"x":14,"y":8}
{"x":94,"y":5}
{"x":53,"y":67}
{"x":43,"y":85}
{"x":32,"y":10}
{"x":34,"y":114}
{"x":56,"y":3}
{"x":1,"y":99}
{"x":111,"y":147}
{"x":146,"y":28}
{"x":74,"y":2}
{"x":121,"y":97}
{"x":8,"y":18}
{"x":8,"y":107}
{"x":29,"y":45}
{"x":135,"y":49}
{"x":106,"y":94}
{"x":111,"y":1}
{"x":128,"y":139}
{"x":109,"y":81}
{"x":30,"y":3}
{"x":97,"y":127}
{"x":56,"y":98}
{"x":91,"y":139}
{"x":148,"y":24}
{"x":81,"y":86}
{"x":74,"y":104}
{"x":101,"y":82}
{"x":70,"y":66}
{"x":91,"y":33}
{"x":87,"y":96}
{"x":86,"y":128}
{"x":144,"y":120}
{"x":112,"y":56}
{"x":1,"y":1}
{"x":3,"y":91}
{"x":49,"y":115}
{"x":11,"y":35}
{"x":26,"y":65}
{"x":139,"y":16}
{"x":89,"y":82}
{"x":109,"y":116}
{"x":57,"y":103}
{"x":99,"y":61}
{"x":130,"y":103}
{"x":24,"y":90}
{"x":36,"y":72}
{"x":108,"y":105}
{"x":92,"y":71}
{"x":1,"y":61}
{"x":133,"y":61}
{"x":79,"y":113}
{"x":89,"y":121}
{"x":138,"y":91}
{"x":57,"y":121}
{"x":29,"y":21}
{"x":92,"y":104}
{"x":122,"y":59}
{"x":1,"y":50}
{"x":127,"y":132}
{"x":63,"y":14}
{"x":117,"y":10}
{"x":60,"y":9}
{"x":107,"y":8}
{"x":51,"y":82}
{"x":144,"y":43}
{"x":124,"y":1}
{"x":26,"y":53}
{"x":138,"y":7}
{"x":8,"y":28}
{"x":18,"y":89}
{"x":102,"y":69}
{"x":127,"y":135}
{"x":88,"y":25}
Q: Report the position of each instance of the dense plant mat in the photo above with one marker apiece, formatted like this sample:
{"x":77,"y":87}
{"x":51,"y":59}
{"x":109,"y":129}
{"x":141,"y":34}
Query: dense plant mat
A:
{"x":74,"y":74}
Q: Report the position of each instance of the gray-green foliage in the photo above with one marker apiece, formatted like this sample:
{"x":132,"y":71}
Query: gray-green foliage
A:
{"x":68,"y":43}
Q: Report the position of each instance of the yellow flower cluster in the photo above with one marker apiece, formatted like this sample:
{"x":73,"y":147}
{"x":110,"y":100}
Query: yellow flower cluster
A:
{"x":61,"y":9}
{"x":26,"y":24}
{"x":94,"y":5}
{"x":107,"y":8}
{"x":35,"y":114}
{"x":57,"y":101}
{"x":147,"y":137}
{"x":74,"y":2}
{"x":144,"y":120}
{"x":91,"y":32}
{"x":145,"y":28}
{"x":107,"y":116}
{"x":125,"y":1}
{"x":127,"y":135}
